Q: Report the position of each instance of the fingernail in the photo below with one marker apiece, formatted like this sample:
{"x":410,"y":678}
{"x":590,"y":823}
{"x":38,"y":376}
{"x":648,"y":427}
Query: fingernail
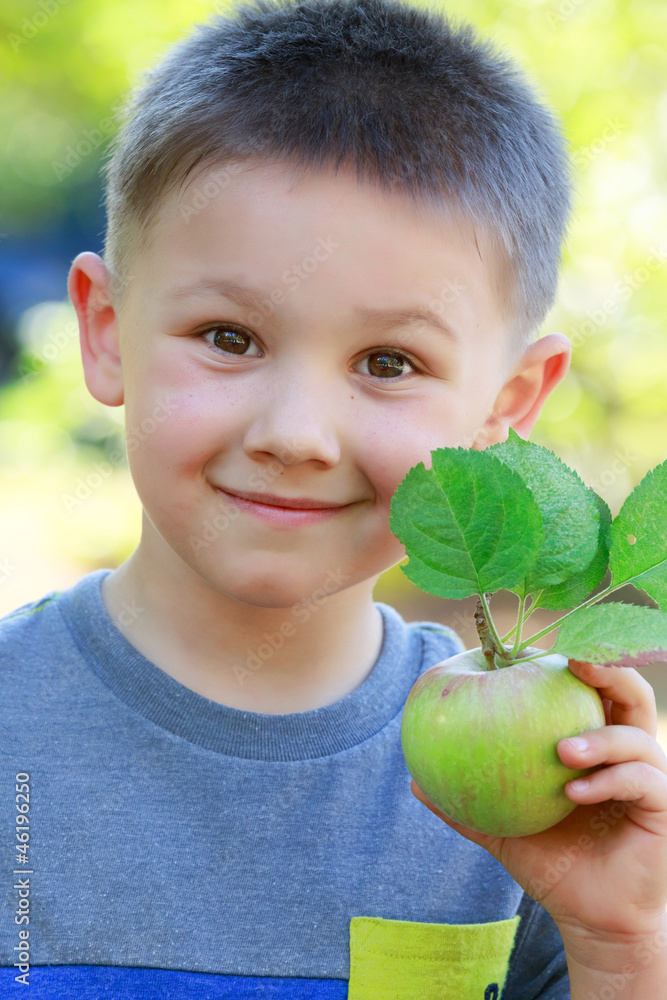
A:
{"x":579,"y":785}
{"x":578,"y":742}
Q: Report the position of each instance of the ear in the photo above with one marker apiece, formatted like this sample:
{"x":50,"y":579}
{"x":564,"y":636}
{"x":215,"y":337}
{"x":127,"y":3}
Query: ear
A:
{"x":89,"y":285}
{"x":518,"y":404}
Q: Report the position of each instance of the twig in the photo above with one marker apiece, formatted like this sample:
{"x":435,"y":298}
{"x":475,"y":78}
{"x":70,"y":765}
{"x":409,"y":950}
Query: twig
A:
{"x":485,"y":636}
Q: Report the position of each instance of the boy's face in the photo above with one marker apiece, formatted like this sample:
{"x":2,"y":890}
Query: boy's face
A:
{"x":305,"y":394}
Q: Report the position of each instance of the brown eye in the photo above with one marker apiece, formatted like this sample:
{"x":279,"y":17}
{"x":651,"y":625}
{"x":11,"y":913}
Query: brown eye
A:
{"x":229,"y":339}
{"x":382,"y":365}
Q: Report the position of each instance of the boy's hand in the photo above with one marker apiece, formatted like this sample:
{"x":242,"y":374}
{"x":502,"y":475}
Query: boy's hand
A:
{"x":602,"y":871}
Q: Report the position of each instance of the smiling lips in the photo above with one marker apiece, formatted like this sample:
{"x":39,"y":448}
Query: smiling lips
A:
{"x":272,"y":509}
{"x":289,"y":503}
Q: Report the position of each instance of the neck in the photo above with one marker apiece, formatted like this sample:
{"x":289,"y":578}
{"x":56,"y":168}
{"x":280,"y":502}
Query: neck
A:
{"x":273,"y":660}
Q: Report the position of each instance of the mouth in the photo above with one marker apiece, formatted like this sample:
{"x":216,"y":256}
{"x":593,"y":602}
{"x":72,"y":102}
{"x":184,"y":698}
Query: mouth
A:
{"x":275,"y":512}
{"x":287,"y":503}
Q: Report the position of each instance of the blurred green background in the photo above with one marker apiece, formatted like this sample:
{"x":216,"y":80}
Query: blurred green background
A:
{"x":601,"y":64}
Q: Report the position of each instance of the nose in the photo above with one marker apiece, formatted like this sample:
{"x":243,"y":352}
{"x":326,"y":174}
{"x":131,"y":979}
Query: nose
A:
{"x":294,"y":420}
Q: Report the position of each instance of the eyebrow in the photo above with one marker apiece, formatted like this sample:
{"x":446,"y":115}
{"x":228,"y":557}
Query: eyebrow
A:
{"x":381,"y":320}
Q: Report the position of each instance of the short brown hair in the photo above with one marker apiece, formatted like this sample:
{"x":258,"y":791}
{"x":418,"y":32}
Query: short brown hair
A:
{"x":413,"y":103}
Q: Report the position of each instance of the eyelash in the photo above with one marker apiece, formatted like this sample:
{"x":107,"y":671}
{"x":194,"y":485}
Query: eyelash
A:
{"x":394,"y":352}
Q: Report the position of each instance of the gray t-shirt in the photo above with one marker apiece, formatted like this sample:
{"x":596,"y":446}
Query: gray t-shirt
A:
{"x":177,"y":847}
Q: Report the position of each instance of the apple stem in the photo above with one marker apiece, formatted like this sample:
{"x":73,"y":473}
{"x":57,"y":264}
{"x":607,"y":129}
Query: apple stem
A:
{"x":486,"y":632}
{"x":519,"y":624}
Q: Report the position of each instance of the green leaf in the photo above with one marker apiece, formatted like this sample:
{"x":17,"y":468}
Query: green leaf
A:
{"x":569,"y":512}
{"x":469,"y":524}
{"x":639,"y":537}
{"x":614,"y":634}
{"x":574,"y":591}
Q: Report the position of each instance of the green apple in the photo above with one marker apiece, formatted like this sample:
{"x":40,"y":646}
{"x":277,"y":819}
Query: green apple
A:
{"x":481,"y":743}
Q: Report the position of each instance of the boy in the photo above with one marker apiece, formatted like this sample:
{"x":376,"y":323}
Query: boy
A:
{"x":333,"y":229}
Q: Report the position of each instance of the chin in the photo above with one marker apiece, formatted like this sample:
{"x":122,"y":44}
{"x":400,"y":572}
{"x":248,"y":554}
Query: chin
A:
{"x":269,"y":593}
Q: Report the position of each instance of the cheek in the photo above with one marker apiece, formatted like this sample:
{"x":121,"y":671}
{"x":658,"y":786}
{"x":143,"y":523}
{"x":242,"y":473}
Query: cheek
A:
{"x":393,"y":446}
{"x":175,"y":419}
{"x":169,"y":443}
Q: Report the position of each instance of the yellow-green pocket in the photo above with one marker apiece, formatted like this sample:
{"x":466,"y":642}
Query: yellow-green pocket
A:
{"x":405,"y":960}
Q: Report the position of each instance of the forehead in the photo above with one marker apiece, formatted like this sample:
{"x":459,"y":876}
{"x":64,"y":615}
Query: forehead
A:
{"x":263,"y":217}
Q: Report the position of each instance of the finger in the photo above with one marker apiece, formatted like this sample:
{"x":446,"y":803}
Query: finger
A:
{"x":483,"y":839}
{"x":631,"y":695}
{"x":640,"y":785}
{"x":611,"y":745}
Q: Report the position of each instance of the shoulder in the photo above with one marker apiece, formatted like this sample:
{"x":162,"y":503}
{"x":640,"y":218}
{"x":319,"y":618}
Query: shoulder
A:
{"x":439,"y":642}
{"x":27,"y":633}
{"x":423,"y":643}
{"x":43,"y":667}
{"x":31,"y":653}
{"x":15,"y":624}
{"x":33,"y":638}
